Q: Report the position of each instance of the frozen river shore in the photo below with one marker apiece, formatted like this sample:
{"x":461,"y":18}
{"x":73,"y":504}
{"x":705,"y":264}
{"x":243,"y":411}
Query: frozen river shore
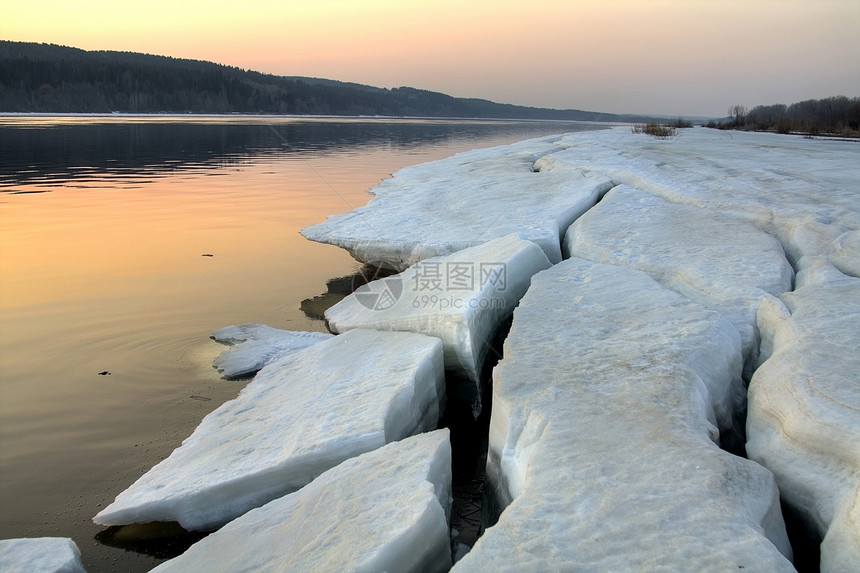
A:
{"x":696,"y":267}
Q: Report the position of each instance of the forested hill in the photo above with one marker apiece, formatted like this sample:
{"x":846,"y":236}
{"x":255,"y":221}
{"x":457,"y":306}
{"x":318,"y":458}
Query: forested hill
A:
{"x":56,"y":79}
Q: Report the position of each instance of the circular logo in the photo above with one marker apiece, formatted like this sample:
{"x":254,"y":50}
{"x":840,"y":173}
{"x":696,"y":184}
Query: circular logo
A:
{"x":376,"y":287}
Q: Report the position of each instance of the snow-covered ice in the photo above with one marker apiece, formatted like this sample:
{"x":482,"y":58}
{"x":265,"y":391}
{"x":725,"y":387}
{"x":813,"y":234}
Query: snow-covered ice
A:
{"x":802,"y":191}
{"x":602,"y":436}
{"x":460,"y":298}
{"x":724,"y":263}
{"x":252,"y":346}
{"x":40,"y":555}
{"x":804,"y":402}
{"x":441,"y":207}
{"x":538,"y":187}
{"x":387,"y":510}
{"x":302,"y":414}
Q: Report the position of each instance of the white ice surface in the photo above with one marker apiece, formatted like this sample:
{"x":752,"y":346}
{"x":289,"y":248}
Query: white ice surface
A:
{"x":460,"y":298}
{"x":445,"y":206}
{"x":601,"y":436}
{"x":726,"y":264}
{"x":40,"y":555}
{"x":804,"y":404}
{"x":387,"y":510}
{"x":840,"y":550}
{"x":802,"y":191}
{"x":300,"y":416}
{"x":539,"y":187}
{"x":255,"y":345}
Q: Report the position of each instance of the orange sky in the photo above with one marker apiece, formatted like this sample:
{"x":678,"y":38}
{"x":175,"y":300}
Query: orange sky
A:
{"x":692,"y":57}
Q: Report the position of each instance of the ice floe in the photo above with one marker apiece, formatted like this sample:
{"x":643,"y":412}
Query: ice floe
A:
{"x":40,"y":555}
{"x":301,"y":415}
{"x":724,"y":263}
{"x":804,"y":404}
{"x":602,"y":436}
{"x":255,"y":345}
{"x":387,"y":510}
{"x":445,"y":206}
{"x":459,"y":298}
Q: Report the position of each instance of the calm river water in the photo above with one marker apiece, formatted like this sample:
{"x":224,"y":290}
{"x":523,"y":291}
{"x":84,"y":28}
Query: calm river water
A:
{"x":125,"y":241}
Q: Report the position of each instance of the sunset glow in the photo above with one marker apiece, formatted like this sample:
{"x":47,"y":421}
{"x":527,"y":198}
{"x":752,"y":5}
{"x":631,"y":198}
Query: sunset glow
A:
{"x":661,"y":56}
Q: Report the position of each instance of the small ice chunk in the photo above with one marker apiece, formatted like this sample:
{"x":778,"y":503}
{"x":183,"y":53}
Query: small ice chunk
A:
{"x":460,"y":298}
{"x":40,"y":555}
{"x":441,"y":207}
{"x":301,"y":415}
{"x":255,"y":345}
{"x":387,"y":510}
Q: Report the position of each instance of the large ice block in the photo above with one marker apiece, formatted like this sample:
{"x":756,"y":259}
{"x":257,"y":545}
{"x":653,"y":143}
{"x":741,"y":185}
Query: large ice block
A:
{"x":301,"y":415}
{"x":387,"y":510}
{"x":804,"y":404}
{"x":602,"y":434}
{"x":252,"y":346}
{"x":441,"y":207}
{"x":460,"y":298}
{"x":724,"y":263}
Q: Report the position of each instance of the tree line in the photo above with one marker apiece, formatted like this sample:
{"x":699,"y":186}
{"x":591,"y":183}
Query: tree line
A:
{"x":839,"y":116}
{"x":46,"y":78}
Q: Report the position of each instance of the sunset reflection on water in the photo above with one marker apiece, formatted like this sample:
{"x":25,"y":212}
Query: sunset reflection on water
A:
{"x":108,"y":295}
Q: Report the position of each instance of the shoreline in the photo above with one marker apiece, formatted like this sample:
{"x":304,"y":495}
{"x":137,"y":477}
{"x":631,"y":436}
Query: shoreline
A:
{"x":826,"y":242}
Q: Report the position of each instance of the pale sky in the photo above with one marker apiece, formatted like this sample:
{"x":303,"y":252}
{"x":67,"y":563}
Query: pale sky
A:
{"x":673,"y":57}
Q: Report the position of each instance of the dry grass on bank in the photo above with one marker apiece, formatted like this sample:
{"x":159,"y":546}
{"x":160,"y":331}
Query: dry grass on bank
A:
{"x":655,"y":130}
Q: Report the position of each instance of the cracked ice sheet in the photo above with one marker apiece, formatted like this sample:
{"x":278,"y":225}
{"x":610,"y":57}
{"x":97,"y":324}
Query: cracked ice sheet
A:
{"x":600,"y":436}
{"x":387,"y":510}
{"x":300,"y":416}
{"x":460,"y":298}
{"x":441,"y":207}
{"x":804,"y":404}
{"x":255,"y":345}
{"x":802,"y":191}
{"x":723,"y":263}
{"x":40,"y":555}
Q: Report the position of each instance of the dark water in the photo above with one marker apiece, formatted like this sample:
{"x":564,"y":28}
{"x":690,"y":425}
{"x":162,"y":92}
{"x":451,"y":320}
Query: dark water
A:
{"x":107,"y":299}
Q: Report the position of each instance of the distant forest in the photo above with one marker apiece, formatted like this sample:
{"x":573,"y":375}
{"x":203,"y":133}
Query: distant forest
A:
{"x":835,"y":116}
{"x":45,"y":78}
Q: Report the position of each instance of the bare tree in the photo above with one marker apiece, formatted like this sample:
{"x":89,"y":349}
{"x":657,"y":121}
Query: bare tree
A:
{"x":738,"y":112}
